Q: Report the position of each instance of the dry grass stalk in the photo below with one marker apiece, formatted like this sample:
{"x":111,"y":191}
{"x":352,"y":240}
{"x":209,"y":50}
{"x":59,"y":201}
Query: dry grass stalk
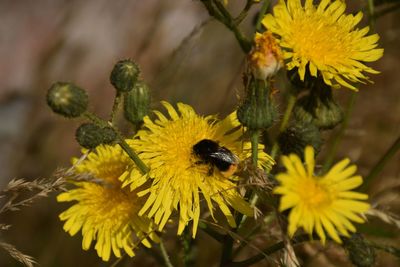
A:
{"x":384,"y":216}
{"x":18,"y":255}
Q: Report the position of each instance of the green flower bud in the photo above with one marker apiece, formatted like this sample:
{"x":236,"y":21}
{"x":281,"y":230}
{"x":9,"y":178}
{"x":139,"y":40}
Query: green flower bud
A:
{"x":124,"y":75}
{"x":108,"y":135}
{"x":360,"y":253}
{"x":137,"y":103}
{"x":257,"y":111}
{"x":67,"y":99}
{"x":295,"y":139}
{"x":319,"y":108}
{"x":90,"y":135}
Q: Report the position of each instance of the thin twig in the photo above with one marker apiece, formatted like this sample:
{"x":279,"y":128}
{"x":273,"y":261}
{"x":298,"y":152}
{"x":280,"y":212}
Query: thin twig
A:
{"x":381,"y":164}
{"x":165,"y":255}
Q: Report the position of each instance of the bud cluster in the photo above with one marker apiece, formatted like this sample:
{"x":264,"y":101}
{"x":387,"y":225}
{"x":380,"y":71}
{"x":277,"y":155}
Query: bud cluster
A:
{"x":71,"y":101}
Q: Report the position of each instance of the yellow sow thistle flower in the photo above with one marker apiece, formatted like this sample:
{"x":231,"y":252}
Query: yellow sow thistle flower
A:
{"x":106,"y":214}
{"x":265,"y":59}
{"x":325,"y":39}
{"x":324,"y":203}
{"x":166,"y":147}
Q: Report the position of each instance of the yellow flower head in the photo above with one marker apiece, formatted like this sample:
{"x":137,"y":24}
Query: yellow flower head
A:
{"x":323,"y":203}
{"x":266,"y":57}
{"x":166,"y":147}
{"x":106,"y":213}
{"x":325,"y":39}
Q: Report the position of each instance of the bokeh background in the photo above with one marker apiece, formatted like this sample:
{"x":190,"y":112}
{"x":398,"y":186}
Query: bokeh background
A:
{"x":184,"y":57}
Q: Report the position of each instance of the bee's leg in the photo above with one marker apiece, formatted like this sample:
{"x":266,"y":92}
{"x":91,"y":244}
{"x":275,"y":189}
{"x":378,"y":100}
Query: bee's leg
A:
{"x":200,"y":162}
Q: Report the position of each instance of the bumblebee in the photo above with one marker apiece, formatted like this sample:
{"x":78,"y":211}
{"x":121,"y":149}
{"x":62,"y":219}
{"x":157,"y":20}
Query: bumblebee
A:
{"x":209,"y":152}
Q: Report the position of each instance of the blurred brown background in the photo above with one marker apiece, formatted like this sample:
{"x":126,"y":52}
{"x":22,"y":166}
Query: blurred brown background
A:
{"x":184,"y":57}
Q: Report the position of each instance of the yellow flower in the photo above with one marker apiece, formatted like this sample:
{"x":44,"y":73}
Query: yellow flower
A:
{"x":324,"y":38}
{"x":323,"y":203}
{"x":106,"y":213}
{"x":266,"y":57}
{"x":166,"y":147}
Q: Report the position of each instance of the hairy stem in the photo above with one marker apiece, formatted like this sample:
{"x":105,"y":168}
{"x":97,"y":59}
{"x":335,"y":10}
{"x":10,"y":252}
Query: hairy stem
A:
{"x":165,"y":255}
{"x":260,"y":17}
{"x":115,"y":108}
{"x":269,"y":250}
{"x":338,"y":137}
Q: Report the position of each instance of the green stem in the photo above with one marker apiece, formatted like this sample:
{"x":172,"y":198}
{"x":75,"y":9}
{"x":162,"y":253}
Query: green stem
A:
{"x":187,"y":248}
{"x":211,"y":232}
{"x":268,"y":251}
{"x":288,"y":112}
{"x":217,"y":10}
{"x":381,"y":164}
{"x":285,"y":121}
{"x":115,"y":263}
{"x":371,"y":11}
{"x":115,"y":108}
{"x":260,"y":17}
{"x":227,"y":249}
{"x":338,"y":137}
{"x":132,"y":154}
{"x":165,"y":255}
{"x":244,"y":12}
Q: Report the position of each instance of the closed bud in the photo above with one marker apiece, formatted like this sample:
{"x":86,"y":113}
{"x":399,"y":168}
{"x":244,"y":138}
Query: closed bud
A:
{"x":90,"y":135}
{"x":67,"y":99}
{"x":137,"y":103}
{"x":296,"y":137}
{"x":257,"y":111}
{"x":360,"y":253}
{"x":108,"y":135}
{"x":124,"y":75}
{"x":318,"y":108}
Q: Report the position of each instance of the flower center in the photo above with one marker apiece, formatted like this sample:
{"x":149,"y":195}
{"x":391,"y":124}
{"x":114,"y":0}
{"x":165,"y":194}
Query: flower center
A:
{"x":319,"y":40}
{"x":315,"y":194}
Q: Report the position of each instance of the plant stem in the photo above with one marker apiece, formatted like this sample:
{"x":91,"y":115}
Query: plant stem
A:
{"x":132,"y":154}
{"x":288,"y":112}
{"x":260,"y":17}
{"x":381,"y":164}
{"x":115,"y":108}
{"x":244,"y":12}
{"x":165,"y":255}
{"x":268,"y":251}
{"x":217,"y":10}
{"x":285,"y":121}
{"x":339,"y":135}
{"x":371,"y":15}
{"x":187,"y":248}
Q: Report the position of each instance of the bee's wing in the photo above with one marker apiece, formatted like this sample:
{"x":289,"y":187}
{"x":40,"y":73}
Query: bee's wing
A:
{"x":225,"y":155}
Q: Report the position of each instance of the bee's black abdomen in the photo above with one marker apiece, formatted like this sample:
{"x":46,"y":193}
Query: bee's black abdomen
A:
{"x":209,"y":152}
